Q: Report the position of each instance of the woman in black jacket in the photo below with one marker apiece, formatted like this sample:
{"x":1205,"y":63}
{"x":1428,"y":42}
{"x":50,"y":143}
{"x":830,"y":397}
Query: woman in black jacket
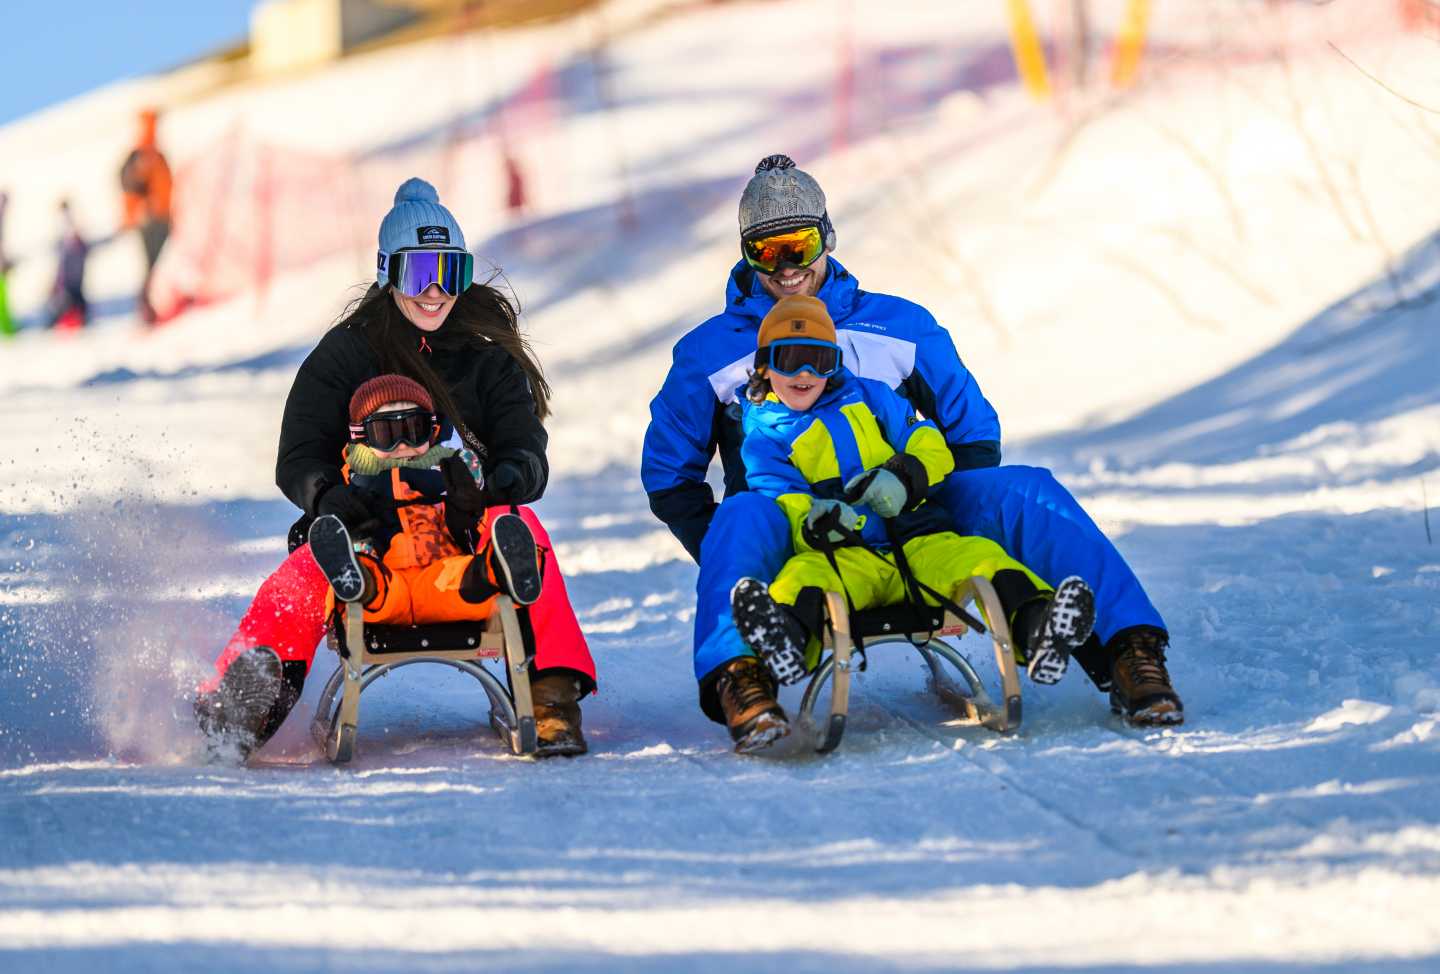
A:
{"x":423,"y":318}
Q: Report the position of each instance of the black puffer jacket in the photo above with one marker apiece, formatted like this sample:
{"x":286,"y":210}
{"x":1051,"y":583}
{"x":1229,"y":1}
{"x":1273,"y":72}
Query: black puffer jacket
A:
{"x":488,"y":385}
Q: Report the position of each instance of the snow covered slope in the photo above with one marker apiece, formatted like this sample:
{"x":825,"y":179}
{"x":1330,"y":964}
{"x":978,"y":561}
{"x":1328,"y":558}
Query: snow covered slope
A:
{"x":1206,"y":303}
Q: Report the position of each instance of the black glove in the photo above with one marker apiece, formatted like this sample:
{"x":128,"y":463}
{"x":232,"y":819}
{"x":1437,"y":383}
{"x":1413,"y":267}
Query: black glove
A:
{"x":464,"y":502}
{"x":461,"y":490}
{"x":350,"y":505}
{"x":506,"y":483}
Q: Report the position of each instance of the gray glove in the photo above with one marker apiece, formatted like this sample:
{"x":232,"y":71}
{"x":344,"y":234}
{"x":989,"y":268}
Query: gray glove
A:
{"x":880,"y":490}
{"x":829,"y":512}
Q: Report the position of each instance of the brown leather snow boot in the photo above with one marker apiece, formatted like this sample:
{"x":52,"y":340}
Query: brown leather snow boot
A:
{"x":747,"y":696}
{"x":557,"y":715}
{"x":1142,"y":693}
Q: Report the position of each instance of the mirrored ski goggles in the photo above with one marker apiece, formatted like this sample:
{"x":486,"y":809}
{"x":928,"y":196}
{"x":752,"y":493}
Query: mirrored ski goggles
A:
{"x":799,"y":247}
{"x":411,"y":271}
{"x":791,"y":356}
{"x":386,"y":431}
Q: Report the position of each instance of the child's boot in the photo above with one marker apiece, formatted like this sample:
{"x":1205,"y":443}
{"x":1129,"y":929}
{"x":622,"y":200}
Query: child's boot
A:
{"x":514,"y":559}
{"x":1048,"y":630}
{"x":771,"y":633}
{"x":334,"y":552}
{"x":556,"y":695}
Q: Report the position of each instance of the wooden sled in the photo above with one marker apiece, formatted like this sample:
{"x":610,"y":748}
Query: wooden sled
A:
{"x":370,"y":652}
{"x":922,"y":628}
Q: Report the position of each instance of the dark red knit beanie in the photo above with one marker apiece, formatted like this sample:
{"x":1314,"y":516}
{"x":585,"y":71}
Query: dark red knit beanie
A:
{"x":383,"y":389}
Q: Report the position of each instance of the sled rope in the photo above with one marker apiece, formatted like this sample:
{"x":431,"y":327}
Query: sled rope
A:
{"x":913,"y":586}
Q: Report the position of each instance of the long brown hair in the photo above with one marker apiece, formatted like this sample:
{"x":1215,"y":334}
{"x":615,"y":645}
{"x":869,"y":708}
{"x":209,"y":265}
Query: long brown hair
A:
{"x":482,"y":314}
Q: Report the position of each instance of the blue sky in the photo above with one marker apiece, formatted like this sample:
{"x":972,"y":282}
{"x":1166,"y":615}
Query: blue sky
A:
{"x":54,"y":51}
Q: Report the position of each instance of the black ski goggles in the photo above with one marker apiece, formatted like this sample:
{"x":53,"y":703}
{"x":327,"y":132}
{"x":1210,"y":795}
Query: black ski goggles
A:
{"x":800,"y":247}
{"x":412,"y":271}
{"x":791,"y":356}
{"x":388,"y":430}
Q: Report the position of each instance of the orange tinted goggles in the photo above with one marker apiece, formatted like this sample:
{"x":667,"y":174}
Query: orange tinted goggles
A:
{"x":799,"y":247}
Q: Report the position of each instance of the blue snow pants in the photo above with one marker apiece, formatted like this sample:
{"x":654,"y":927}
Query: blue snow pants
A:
{"x":1024,"y":509}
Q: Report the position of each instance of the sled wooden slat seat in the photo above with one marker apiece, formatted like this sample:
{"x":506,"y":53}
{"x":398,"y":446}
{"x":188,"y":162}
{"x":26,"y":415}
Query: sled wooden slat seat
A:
{"x":922,"y":628}
{"x":370,"y":652}
{"x":383,"y":640}
{"x":895,"y":620}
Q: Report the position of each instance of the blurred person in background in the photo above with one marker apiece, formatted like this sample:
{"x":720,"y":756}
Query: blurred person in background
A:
{"x":146,"y":185}
{"x":786,"y":238}
{"x":7,"y":326}
{"x":67,"y":308}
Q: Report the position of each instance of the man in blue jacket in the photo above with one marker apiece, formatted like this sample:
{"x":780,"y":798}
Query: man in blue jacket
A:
{"x":786,"y":239}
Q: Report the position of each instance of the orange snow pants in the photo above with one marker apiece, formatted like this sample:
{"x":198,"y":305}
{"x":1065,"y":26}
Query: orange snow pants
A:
{"x":418,"y":580}
{"x":415,"y":596}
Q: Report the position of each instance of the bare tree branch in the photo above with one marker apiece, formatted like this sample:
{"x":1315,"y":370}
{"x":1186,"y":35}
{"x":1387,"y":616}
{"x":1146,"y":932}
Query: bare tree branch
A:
{"x":1317,"y":157}
{"x":1403,"y":97}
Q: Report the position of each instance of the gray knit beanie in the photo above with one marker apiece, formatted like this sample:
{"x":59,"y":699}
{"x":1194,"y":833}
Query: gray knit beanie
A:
{"x":782,"y":197}
{"x":417,"y":221}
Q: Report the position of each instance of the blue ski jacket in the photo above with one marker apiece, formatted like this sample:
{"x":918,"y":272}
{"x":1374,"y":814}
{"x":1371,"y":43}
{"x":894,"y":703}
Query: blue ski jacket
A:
{"x":856,"y":425}
{"x":884,"y":338}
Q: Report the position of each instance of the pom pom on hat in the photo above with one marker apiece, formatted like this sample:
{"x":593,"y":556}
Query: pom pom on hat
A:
{"x":778,"y":161}
{"x":416,"y":190}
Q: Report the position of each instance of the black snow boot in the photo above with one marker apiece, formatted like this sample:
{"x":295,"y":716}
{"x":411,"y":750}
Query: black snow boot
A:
{"x":773,"y":634}
{"x":514,"y":558}
{"x":334,"y":552}
{"x":240,"y":714}
{"x":1048,"y":630}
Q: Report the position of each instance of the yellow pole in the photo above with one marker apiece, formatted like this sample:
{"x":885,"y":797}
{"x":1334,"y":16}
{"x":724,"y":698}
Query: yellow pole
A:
{"x":1130,"y":43}
{"x":1029,"y":55}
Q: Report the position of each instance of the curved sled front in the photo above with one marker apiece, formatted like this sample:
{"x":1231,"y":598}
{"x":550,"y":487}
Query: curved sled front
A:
{"x":327,"y":711}
{"x":922,"y":628}
{"x":370,"y":652}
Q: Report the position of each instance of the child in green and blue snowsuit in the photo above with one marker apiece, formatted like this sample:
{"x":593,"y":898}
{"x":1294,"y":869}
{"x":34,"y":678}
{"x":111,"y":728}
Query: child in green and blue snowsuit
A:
{"x":843,"y":455}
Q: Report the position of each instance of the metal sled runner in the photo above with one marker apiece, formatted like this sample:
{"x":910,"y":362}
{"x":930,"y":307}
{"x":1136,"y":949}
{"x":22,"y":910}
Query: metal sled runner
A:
{"x":370,"y":652}
{"x":922,"y":627}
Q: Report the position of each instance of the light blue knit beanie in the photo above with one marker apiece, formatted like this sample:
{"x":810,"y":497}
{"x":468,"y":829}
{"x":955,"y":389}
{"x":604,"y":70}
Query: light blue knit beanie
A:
{"x":417,"y":221}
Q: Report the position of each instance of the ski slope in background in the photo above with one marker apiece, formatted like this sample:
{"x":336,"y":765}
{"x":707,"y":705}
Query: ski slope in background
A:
{"x":1207,"y":304}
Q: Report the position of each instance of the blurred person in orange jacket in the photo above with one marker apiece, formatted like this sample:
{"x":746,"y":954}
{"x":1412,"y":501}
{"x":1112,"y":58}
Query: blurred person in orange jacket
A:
{"x":145,"y":181}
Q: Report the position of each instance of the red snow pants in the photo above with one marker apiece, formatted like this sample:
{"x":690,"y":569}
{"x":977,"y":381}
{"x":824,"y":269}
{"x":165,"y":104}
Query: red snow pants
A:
{"x":288,"y":615}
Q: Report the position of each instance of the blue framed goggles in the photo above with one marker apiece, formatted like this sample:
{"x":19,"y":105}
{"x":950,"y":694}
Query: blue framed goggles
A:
{"x":791,"y":356}
{"x":412,"y":271}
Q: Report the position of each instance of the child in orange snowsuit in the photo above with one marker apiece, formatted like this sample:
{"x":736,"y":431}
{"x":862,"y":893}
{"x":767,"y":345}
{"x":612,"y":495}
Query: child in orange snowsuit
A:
{"x":434,"y":550}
